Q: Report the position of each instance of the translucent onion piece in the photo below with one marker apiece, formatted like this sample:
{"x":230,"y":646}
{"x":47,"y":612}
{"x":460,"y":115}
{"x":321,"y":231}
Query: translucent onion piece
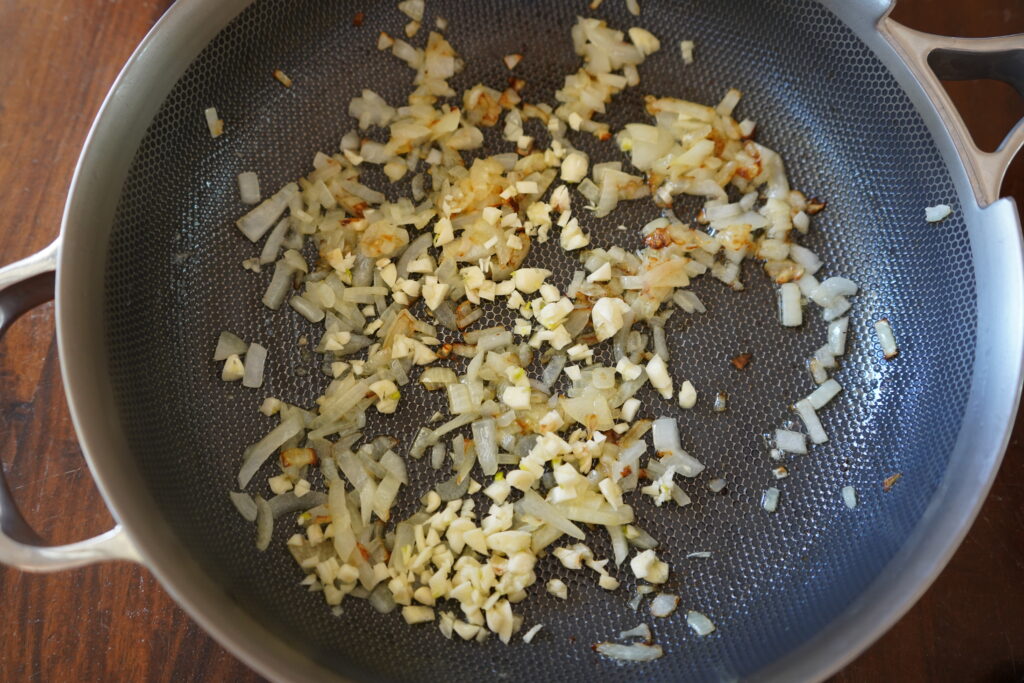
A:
{"x":255,"y":360}
{"x":264,"y":524}
{"x":637,"y":652}
{"x":245,"y":505}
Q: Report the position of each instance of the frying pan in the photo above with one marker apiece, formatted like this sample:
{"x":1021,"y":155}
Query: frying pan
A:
{"x":146,"y":273}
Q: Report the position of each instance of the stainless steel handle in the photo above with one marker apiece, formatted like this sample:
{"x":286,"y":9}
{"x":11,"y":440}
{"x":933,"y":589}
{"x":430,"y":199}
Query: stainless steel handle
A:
{"x":932,"y":58}
{"x":23,"y":286}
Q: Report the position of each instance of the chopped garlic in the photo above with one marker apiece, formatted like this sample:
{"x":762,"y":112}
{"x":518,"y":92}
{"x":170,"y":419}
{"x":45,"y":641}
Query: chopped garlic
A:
{"x":573,"y":237}
{"x":549,"y":293}
{"x":234,"y":369}
{"x":580,"y":352}
{"x":517,"y":398}
{"x":529,"y":280}
{"x":608,"y":316}
{"x":661,"y":488}
{"x":388,"y":273}
{"x":574,"y":167}
{"x":628,"y":369}
{"x":647,"y":566}
{"x":280,"y":484}
{"x":687,"y":395}
{"x":602,"y":274}
{"x":558,"y":588}
{"x":686,"y":49}
{"x":466,"y":630}
{"x":443,"y":232}
{"x":552,"y":315}
{"x":607,"y":581}
{"x":417,"y":614}
{"x":611,"y":492}
{"x":387,"y":395}
{"x":434,"y":292}
{"x":411,"y":288}
{"x":270,"y":406}
{"x":657,"y":371}
{"x":630,"y":408}
{"x":560,"y":338}
{"x":347,"y":574}
{"x":574,"y":556}
{"x":645,"y":41}
{"x":560,"y":200}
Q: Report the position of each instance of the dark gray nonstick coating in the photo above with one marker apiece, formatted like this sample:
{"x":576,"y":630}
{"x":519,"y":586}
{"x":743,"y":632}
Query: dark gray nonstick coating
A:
{"x":848,"y":134}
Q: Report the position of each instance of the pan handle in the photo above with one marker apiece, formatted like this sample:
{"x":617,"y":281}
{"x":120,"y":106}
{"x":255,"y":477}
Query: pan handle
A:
{"x":933,"y":58}
{"x":23,"y":286}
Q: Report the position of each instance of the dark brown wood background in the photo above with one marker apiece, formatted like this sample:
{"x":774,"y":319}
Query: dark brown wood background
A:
{"x":114,"y":622}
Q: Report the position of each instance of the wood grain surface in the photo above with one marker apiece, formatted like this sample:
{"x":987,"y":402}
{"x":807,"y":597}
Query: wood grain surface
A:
{"x":114,"y":622}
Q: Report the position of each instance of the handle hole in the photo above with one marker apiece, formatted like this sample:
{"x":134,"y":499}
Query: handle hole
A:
{"x":42,"y":462}
{"x":988,"y":107}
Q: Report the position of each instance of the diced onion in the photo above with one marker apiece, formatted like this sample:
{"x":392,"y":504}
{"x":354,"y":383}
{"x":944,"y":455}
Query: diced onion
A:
{"x":286,"y":503}
{"x":850,"y":496}
{"x":486,"y":440}
{"x":664,"y":604}
{"x":701,"y":625}
{"x":790,"y":442}
{"x":280,"y":284}
{"x":666,"y":442}
{"x":266,"y":446}
{"x":886,"y":339}
{"x":245,"y":505}
{"x":789,"y":304}
{"x":255,"y":223}
{"x":806,"y":258}
{"x":354,"y":261}
{"x":641,"y":631}
{"x":834,"y":287}
{"x":249,"y":188}
{"x":306,"y":308}
{"x":437,"y":453}
{"x":381,"y":600}
{"x":637,"y":652}
{"x":452,"y":489}
{"x":934,"y":214}
{"x":821,"y":396}
{"x":255,"y":359}
{"x":837,"y":330}
{"x":528,"y":636}
{"x":213,"y":122}
{"x":533,"y":504}
{"x":229,"y":344}
{"x":264,"y":524}
{"x":274,"y":241}
{"x":814,"y":429}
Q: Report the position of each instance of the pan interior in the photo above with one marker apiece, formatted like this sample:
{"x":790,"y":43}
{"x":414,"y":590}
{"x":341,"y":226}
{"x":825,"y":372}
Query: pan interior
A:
{"x":848,"y":135}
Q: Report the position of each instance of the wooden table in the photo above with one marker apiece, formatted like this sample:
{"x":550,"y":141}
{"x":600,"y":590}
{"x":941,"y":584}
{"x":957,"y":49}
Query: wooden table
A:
{"x":114,"y":622}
